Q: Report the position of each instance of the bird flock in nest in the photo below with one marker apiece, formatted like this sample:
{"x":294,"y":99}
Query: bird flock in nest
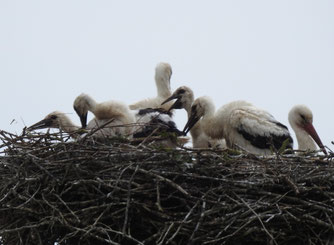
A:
{"x":236,"y":125}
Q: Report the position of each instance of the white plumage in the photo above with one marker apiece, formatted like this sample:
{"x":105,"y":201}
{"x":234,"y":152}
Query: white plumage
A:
{"x":301,"y":119}
{"x":61,"y":121}
{"x":184,"y":98}
{"x":241,"y":124}
{"x":121,"y":118}
{"x":163,"y":73}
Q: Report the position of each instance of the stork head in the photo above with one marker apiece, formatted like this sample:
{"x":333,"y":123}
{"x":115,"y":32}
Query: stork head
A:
{"x":163,"y":74}
{"x":200,"y":107}
{"x":82,"y":104}
{"x":301,"y":117}
{"x":184,"y":98}
{"x":55,"y":119}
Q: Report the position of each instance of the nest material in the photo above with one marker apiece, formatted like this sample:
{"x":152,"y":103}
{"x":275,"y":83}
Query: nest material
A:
{"x":116,"y":192}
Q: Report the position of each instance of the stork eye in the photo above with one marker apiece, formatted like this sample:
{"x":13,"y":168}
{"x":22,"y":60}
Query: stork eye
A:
{"x":54,"y":117}
{"x":303,"y":117}
{"x":182,"y":91}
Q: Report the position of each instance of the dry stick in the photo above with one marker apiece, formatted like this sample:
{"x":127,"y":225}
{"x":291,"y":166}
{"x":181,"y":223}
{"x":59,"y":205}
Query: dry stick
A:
{"x":181,"y":224}
{"x":168,"y":181}
{"x":128,"y":201}
{"x":268,"y":233}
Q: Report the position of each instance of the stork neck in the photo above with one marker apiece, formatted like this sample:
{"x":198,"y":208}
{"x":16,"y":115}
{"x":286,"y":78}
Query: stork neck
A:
{"x":211,"y":125}
{"x":69,"y":127}
{"x":91,"y":104}
{"x":305,"y":142}
{"x":163,"y":86}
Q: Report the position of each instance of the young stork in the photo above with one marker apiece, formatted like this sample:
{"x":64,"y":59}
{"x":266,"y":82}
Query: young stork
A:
{"x":126,"y":122}
{"x":121,"y":118}
{"x":60,"y":121}
{"x":184,"y":98}
{"x":301,"y":118}
{"x":241,"y":124}
{"x":163,"y":73}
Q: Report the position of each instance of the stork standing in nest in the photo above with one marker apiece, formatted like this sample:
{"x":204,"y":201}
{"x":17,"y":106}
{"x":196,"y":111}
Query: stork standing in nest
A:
{"x":184,"y":98}
{"x":241,"y":124}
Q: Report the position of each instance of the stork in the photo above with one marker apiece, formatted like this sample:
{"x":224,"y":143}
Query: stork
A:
{"x":301,"y":119}
{"x":184,"y":98}
{"x":116,"y":111}
{"x":139,"y":123}
{"x":61,"y":121}
{"x":241,"y":124}
{"x":163,"y":73}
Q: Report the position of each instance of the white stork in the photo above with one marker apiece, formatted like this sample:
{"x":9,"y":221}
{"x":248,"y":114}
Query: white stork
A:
{"x":301,"y":119}
{"x":126,"y":122}
{"x":61,"y":121}
{"x":241,"y":124}
{"x":184,"y":98}
{"x":163,"y":73}
{"x":121,"y":119}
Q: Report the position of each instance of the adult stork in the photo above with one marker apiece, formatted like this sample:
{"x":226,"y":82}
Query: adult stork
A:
{"x":120,"y":116}
{"x":163,"y":73}
{"x":184,"y":98}
{"x":61,"y":121}
{"x":301,"y":120}
{"x":241,"y":124}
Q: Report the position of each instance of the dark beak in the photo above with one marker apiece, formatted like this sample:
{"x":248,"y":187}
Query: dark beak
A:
{"x":45,"y":123}
{"x":83,"y":117}
{"x":83,"y":120}
{"x":177,"y":104}
{"x":193,"y":119}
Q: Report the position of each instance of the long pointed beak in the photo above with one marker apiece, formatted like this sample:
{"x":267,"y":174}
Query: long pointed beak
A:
{"x":83,"y":120}
{"x":313,"y":133}
{"x":193,"y":119}
{"x":170,"y":98}
{"x":45,"y":123}
{"x":177,"y":104}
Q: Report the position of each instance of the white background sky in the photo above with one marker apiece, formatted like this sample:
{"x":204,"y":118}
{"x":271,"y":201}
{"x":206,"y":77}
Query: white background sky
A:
{"x":274,"y":54}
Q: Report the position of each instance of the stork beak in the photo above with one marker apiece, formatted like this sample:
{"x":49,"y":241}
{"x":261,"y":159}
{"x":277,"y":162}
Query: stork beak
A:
{"x":193,"y":119}
{"x":45,"y":123}
{"x":83,"y":120}
{"x":177,"y":104}
{"x":311,"y":131}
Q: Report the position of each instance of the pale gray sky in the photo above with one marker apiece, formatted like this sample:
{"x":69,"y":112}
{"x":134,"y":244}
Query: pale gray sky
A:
{"x":274,"y":54}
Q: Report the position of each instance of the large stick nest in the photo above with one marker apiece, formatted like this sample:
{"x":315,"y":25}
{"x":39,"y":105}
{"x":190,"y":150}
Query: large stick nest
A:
{"x":116,"y":192}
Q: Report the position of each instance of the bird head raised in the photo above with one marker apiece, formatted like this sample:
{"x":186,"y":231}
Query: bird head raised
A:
{"x":184,"y":98}
{"x":163,"y":73}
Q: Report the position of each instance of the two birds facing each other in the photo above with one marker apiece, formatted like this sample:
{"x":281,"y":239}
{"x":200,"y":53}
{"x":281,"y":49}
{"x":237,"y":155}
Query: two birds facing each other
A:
{"x":244,"y":126}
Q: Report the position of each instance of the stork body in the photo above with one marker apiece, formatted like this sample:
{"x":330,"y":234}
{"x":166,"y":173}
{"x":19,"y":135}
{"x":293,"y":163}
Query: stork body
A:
{"x":241,"y":124}
{"x":117,"y":113}
{"x":163,"y":73}
{"x":184,"y":98}
{"x":301,"y":120}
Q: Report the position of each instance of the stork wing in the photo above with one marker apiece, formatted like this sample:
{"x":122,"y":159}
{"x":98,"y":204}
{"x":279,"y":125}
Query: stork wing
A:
{"x":260,"y":128}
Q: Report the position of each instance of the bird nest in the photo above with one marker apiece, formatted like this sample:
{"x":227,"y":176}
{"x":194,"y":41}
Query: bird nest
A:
{"x":54,"y":190}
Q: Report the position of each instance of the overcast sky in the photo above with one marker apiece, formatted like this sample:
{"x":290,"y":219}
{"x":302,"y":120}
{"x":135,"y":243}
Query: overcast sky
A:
{"x":274,"y":54}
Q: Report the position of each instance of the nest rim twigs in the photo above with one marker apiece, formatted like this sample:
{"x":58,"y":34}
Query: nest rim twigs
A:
{"x":113,"y":192}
